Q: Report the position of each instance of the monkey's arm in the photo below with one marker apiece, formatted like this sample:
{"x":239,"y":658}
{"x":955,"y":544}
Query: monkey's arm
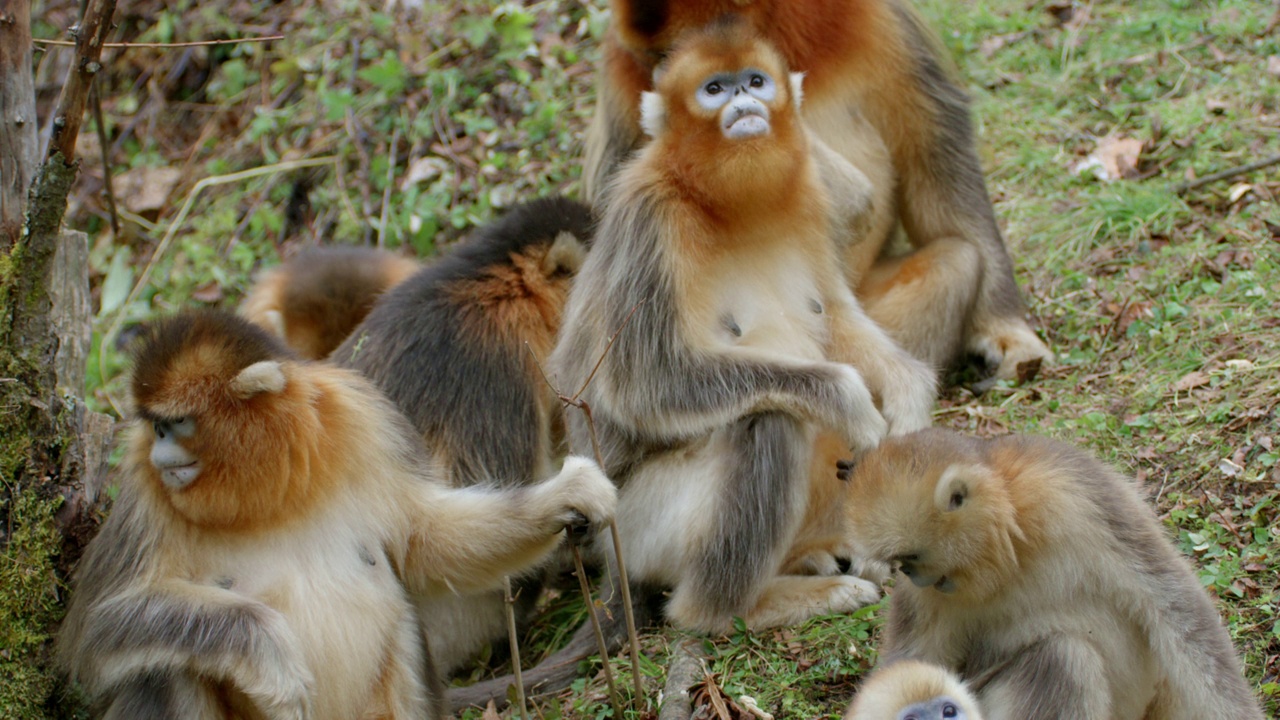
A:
{"x":905,"y":385}
{"x":1057,"y":678}
{"x":655,"y":382}
{"x":181,"y":627}
{"x":465,"y":540}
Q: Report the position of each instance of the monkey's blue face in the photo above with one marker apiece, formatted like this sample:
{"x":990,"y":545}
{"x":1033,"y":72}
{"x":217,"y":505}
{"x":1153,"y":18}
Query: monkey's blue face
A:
{"x":939,"y":708}
{"x":178,"y":466}
{"x":741,"y":100}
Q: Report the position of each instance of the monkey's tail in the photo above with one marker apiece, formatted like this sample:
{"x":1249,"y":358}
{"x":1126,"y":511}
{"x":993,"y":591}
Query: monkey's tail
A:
{"x":558,"y":672}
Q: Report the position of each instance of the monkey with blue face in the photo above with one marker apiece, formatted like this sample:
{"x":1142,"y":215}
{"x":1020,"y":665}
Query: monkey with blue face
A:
{"x":913,"y":690}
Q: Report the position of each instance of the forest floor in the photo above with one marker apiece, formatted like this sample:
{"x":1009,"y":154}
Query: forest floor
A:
{"x":407,"y":128}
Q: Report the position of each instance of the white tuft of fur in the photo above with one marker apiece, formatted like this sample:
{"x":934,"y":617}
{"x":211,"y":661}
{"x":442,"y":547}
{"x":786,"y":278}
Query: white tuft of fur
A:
{"x":260,"y":377}
{"x":653,"y":114}
{"x":797,"y":88}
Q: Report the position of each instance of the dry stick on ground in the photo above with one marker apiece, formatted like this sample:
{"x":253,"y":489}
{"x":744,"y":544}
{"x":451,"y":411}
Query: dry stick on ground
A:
{"x":1183,"y":187}
{"x":684,"y":670}
{"x":510,"y":601}
{"x":581,"y":572}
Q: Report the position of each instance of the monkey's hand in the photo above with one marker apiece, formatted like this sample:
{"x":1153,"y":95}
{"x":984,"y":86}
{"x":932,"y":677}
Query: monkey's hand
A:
{"x":908,"y":396}
{"x":277,"y":679}
{"x":580,"y":498}
{"x":858,"y":421}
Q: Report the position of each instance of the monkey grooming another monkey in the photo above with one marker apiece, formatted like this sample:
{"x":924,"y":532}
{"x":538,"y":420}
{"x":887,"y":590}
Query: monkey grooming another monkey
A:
{"x":456,"y":347}
{"x":1042,"y":577}
{"x":714,"y":266}
{"x":272,"y":515}
{"x":878,"y":92}
{"x":913,"y":690}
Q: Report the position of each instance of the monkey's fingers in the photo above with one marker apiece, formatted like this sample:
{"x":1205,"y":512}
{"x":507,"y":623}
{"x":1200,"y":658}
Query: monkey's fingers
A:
{"x":844,"y":469}
{"x":578,"y":529}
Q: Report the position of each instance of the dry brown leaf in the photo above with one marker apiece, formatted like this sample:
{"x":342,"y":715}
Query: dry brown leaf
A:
{"x":210,"y":292}
{"x":1115,"y":158}
{"x":1273,"y":65}
{"x":146,"y":189}
{"x":989,"y":46}
{"x":1193,"y":379}
{"x":490,"y":712}
{"x":423,"y":169}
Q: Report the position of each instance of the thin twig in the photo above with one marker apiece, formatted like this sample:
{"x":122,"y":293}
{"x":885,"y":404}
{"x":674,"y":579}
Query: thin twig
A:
{"x":386,"y":192}
{"x":172,"y":230}
{"x":1183,"y":187}
{"x":599,"y":361}
{"x":595,"y":625}
{"x":193,"y":43}
{"x":95,"y":99}
{"x":515,"y":645}
{"x":628,"y":612}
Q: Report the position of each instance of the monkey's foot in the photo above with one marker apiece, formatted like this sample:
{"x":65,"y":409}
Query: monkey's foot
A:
{"x":791,"y":599}
{"x":1012,"y":348}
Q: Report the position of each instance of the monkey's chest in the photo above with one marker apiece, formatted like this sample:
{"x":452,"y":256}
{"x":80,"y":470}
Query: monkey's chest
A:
{"x":340,"y":596}
{"x":771,"y":302}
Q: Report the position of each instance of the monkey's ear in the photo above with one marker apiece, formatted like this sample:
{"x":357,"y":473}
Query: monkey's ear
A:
{"x":260,"y":377}
{"x":566,"y":254}
{"x":653,"y":113}
{"x":956,"y":484}
{"x":797,"y":88}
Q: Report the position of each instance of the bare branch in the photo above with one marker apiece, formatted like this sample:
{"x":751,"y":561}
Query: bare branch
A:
{"x":165,"y":46}
{"x":75,"y":92}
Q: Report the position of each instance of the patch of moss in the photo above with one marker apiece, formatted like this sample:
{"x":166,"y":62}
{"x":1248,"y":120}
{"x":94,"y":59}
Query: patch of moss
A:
{"x":28,"y":603}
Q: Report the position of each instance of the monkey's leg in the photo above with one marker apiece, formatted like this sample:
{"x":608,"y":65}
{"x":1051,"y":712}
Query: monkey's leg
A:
{"x":180,"y":626}
{"x":923,"y":299}
{"x":1058,"y":678}
{"x":731,"y":568}
{"x":163,"y":696}
{"x":943,"y":194}
{"x":904,"y":384}
{"x":404,"y":689}
{"x":467,"y":540}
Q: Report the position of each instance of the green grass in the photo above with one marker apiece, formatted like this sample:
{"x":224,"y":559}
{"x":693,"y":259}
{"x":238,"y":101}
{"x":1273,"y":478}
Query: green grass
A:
{"x":1162,"y":308}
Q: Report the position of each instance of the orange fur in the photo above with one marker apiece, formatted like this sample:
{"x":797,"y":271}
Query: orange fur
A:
{"x":275,"y":519}
{"x":876,"y":91}
{"x":314,"y":300}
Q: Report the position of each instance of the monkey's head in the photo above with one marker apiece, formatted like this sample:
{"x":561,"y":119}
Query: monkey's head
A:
{"x":913,"y":690}
{"x":225,"y":420}
{"x":933,"y":505}
{"x":721,"y":87}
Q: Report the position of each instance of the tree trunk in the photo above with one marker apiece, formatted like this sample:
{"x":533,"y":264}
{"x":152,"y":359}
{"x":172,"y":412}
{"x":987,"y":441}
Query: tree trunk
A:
{"x":44,"y":326}
{"x":19,"y":150}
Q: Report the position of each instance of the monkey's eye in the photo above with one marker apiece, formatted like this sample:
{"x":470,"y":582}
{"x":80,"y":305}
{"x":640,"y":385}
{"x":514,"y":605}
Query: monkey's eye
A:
{"x":757,"y":81}
{"x":949,"y":711}
{"x":713,"y":88}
